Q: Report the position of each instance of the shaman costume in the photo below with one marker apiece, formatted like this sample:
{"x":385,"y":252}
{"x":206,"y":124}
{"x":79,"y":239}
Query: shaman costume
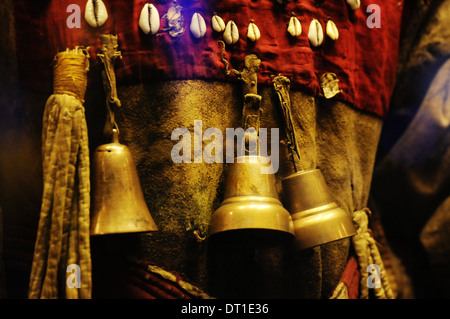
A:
{"x":183,"y":61}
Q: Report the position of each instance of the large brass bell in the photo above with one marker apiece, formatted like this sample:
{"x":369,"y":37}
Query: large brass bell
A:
{"x":250,"y":200}
{"x":317,"y":218}
{"x":118,"y":202}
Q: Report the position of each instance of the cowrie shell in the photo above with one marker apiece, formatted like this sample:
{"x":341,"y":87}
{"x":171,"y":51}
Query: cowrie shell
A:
{"x":253,"y":33}
{"x":332,"y":30}
{"x":315,"y":33}
{"x":149,"y":19}
{"x":354,"y":4}
{"x":95,"y":13}
{"x":294,"y":27}
{"x":217,"y":23}
{"x":198,"y":26}
{"x":231,"y":33}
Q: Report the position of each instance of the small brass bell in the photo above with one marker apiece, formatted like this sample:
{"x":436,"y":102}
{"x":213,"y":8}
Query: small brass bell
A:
{"x":118,"y":202}
{"x":250,"y":200}
{"x":317,"y":218}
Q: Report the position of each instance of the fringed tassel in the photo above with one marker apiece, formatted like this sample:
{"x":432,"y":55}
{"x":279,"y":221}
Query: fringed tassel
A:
{"x":63,"y":230}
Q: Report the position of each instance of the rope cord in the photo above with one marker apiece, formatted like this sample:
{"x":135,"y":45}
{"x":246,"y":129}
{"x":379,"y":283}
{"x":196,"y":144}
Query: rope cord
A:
{"x":225,"y":61}
{"x":368,"y":254}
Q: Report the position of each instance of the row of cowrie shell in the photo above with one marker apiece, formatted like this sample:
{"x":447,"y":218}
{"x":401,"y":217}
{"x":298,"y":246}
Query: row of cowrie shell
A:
{"x":231,"y":32}
{"x":315,"y":33}
{"x":96,"y":15}
{"x":149,"y":22}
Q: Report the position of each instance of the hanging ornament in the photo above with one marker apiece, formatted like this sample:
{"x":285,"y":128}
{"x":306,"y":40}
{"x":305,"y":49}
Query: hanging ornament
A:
{"x":149,"y":19}
{"x":330,"y":85}
{"x":253,"y":33}
{"x":294,"y":27}
{"x":332,"y":30}
{"x":63,"y":235}
{"x":354,"y":4}
{"x":175,"y":20}
{"x":95,"y":13}
{"x":198,"y":26}
{"x":315,"y":33}
{"x":316,"y":218}
{"x":217,"y":23}
{"x":231,"y":33}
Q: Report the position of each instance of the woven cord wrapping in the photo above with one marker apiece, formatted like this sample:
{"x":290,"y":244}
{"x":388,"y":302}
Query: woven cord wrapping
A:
{"x":369,"y":259}
{"x":63,"y":230}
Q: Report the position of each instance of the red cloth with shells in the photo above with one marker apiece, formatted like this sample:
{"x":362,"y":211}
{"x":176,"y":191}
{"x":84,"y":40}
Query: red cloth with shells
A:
{"x":363,"y":59}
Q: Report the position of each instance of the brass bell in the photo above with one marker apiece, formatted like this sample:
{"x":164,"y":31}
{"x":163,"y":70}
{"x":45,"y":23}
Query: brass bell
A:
{"x":317,"y":218}
{"x":250,"y":200}
{"x":118,"y":202}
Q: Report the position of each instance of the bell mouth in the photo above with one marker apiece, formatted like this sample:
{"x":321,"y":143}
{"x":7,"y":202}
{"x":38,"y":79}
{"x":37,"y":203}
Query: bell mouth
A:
{"x":250,"y":200}
{"x":316,"y":217}
{"x":321,"y":225}
{"x":131,"y":230}
{"x":251,"y":212}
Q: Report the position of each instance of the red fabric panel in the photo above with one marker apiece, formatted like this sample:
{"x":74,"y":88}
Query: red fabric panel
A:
{"x":351,"y":277}
{"x":364,"y":59}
